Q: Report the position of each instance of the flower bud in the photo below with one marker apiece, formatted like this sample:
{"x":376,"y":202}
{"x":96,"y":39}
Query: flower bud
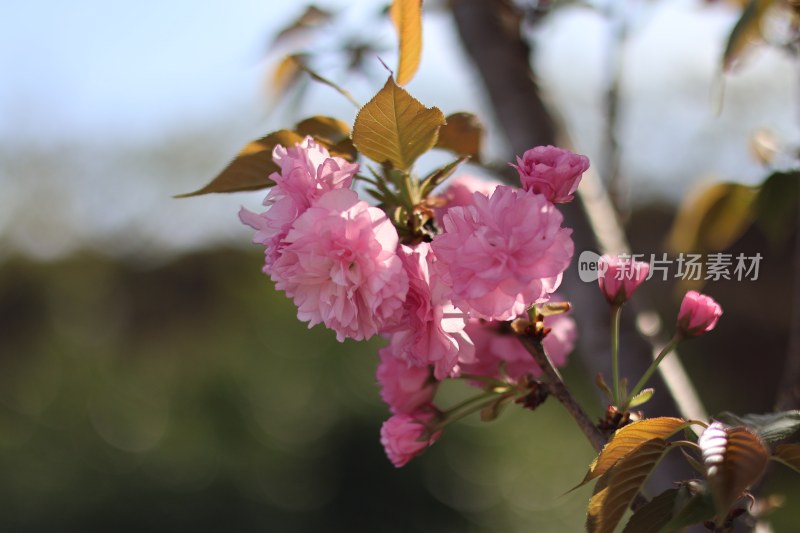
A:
{"x":699,"y":313}
{"x":406,"y":436}
{"x":619,"y":277}
{"x":552,"y":172}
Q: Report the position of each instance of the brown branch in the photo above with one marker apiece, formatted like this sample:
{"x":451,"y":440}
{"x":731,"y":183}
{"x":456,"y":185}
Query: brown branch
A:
{"x":560,"y":391}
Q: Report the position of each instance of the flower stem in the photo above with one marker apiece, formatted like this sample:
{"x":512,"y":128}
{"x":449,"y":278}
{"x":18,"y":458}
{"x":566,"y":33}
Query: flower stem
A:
{"x":471,"y":405}
{"x":652,"y":368}
{"x":616,"y":311}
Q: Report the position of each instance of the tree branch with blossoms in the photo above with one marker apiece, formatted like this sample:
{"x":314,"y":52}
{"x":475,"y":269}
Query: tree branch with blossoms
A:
{"x":460,"y":276}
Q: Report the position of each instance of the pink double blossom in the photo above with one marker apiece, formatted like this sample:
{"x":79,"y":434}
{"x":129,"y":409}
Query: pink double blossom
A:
{"x":503,"y":253}
{"x":404,"y":388}
{"x":619,"y":277}
{"x":307,"y":171}
{"x":404,"y":436}
{"x":552,"y":172}
{"x":430,"y":330}
{"x":461,"y":190}
{"x":340,"y":266}
{"x":699,"y":314}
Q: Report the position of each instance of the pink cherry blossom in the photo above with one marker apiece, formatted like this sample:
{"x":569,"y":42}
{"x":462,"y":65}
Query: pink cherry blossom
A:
{"x":698,"y":314}
{"x":431,"y":330}
{"x":404,"y":388}
{"x":461,"y":189}
{"x":340,"y":267}
{"x":619,"y":277}
{"x":307,"y":172}
{"x":553,"y":172}
{"x":496,"y":345}
{"x":404,"y":436}
{"x":460,"y":193}
{"x":502,"y":254}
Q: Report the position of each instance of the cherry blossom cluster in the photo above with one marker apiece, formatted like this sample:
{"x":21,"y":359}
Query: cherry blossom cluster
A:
{"x":444,"y":305}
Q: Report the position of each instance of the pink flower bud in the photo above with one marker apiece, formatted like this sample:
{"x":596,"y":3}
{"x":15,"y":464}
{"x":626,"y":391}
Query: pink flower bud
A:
{"x":699,"y":313}
{"x":404,"y":388}
{"x":619,"y":277}
{"x":406,"y":436}
{"x":552,"y":172}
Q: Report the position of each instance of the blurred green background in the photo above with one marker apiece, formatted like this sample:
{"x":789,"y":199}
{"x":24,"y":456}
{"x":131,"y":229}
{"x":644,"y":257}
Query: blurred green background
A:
{"x":186,"y":396}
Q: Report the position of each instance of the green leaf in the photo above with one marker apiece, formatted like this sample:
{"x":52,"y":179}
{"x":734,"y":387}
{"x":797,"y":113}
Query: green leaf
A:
{"x":395,"y":127}
{"x":462,"y":135}
{"x":654,"y":515}
{"x":251,"y":169}
{"x":714,"y":219}
{"x":628,"y":438}
{"x":788,"y":454}
{"x":777,"y":206}
{"x":746,"y":31}
{"x":617,"y":488}
{"x":771,"y":427}
{"x":407,"y":18}
{"x":642,"y":398}
{"x":734,"y":459}
{"x":435,"y":178}
{"x":375,"y":194}
{"x":693,"y":504}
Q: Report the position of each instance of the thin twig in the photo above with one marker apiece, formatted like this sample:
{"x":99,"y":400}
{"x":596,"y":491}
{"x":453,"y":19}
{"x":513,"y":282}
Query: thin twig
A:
{"x":560,"y":391}
{"x":325,"y":81}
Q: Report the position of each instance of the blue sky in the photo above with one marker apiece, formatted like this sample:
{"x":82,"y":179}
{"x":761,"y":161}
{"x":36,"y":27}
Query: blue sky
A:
{"x":92,"y":65}
{"x":117,"y":80}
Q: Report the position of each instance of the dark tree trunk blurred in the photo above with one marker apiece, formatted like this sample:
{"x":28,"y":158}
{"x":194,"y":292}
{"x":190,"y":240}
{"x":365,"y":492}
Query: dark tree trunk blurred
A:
{"x":490,"y":34}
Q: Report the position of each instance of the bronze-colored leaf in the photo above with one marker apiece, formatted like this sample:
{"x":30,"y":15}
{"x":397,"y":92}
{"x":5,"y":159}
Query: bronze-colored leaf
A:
{"x":788,"y":454}
{"x":251,"y":169}
{"x":628,"y":438}
{"x":777,"y":206}
{"x":618,"y":487}
{"x":603,"y":386}
{"x":746,"y":31}
{"x":287,"y":74}
{"x":329,"y":129}
{"x":407,"y":18}
{"x":395,"y":127}
{"x":654,"y":515}
{"x":462,"y":135}
{"x":332,"y":132}
{"x":734,"y":459}
{"x":713,"y":219}
{"x":312,"y":17}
